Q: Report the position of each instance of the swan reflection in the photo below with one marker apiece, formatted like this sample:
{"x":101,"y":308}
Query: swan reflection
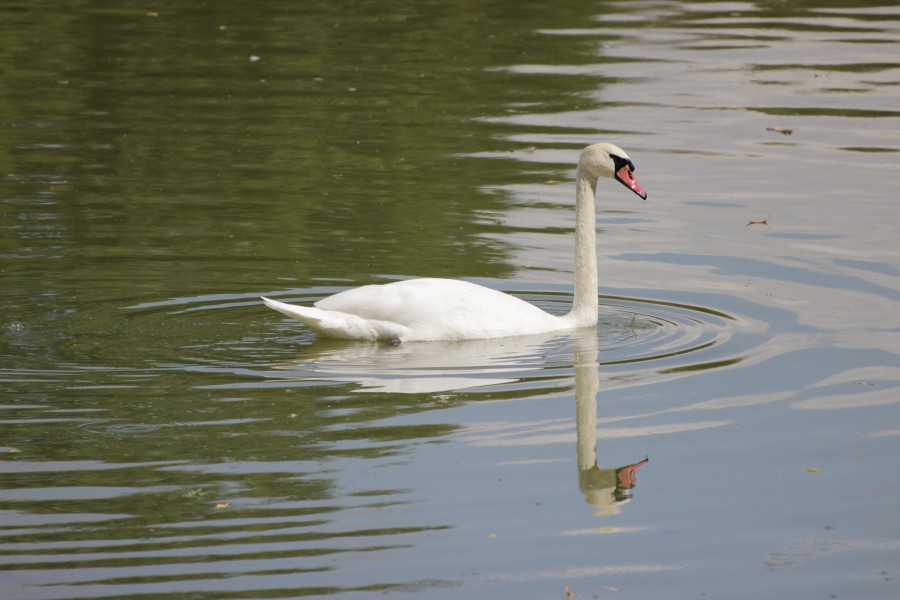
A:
{"x":524,"y":362}
{"x":604,"y":489}
{"x":424,"y":367}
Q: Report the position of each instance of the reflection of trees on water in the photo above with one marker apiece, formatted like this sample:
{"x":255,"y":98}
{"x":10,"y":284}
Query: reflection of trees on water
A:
{"x":604,"y":489}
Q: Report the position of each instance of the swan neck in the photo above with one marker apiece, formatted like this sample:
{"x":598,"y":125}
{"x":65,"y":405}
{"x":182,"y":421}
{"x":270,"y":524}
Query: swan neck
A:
{"x":585,"y":306}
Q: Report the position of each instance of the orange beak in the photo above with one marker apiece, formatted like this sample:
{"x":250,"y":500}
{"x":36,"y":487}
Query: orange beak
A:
{"x":625,"y":175}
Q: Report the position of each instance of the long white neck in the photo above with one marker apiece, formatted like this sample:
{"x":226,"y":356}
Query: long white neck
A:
{"x":585,"y":306}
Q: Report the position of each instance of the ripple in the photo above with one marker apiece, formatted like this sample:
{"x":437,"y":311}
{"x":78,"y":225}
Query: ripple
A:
{"x":119,"y":429}
{"x":640,"y":330}
{"x":634,"y":334}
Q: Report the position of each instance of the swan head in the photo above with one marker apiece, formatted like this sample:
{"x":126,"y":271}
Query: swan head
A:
{"x":608,"y":160}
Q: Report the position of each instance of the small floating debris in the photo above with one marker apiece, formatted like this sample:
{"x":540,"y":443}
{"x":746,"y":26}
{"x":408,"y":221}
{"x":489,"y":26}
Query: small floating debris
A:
{"x":781,"y":130}
{"x":812,"y":469}
{"x":221,"y":505}
{"x":254,"y":58}
{"x":763,"y":222}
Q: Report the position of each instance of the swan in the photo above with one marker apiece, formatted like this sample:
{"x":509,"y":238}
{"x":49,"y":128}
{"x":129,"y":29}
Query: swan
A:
{"x":431,"y":309}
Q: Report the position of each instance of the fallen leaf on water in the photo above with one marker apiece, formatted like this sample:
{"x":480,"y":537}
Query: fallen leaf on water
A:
{"x":763,"y":222}
{"x":12,"y":450}
{"x":152,"y":14}
{"x":223,"y":505}
{"x":551,"y":182}
{"x":812,"y":470}
{"x":781,"y":130}
{"x":865,"y":383}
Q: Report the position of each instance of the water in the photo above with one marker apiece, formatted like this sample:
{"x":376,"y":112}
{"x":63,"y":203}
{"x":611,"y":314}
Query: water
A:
{"x":727,"y":431}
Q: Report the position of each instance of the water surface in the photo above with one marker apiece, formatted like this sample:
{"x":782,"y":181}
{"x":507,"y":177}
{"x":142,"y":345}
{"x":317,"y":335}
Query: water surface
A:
{"x":728,"y":429}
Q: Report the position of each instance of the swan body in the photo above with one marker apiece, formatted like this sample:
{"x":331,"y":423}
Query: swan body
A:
{"x":433,"y":309}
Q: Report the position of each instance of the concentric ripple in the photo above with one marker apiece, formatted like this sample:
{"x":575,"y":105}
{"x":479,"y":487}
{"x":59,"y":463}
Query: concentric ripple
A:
{"x":638,"y":330}
{"x":637,"y":336}
{"x":634,"y":335}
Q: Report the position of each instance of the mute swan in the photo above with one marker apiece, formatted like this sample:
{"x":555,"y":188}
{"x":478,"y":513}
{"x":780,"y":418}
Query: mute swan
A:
{"x":449,"y":309}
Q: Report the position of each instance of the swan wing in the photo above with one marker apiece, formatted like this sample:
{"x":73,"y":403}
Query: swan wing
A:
{"x":443,"y":309}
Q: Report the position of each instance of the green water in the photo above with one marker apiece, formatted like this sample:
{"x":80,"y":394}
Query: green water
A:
{"x":164,"y":435}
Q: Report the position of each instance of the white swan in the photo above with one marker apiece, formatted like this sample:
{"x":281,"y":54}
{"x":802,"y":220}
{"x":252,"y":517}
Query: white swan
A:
{"x":448,"y":309}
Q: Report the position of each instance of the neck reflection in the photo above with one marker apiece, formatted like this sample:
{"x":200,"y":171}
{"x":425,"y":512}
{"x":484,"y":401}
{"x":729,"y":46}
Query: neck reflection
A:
{"x":606,"y":489}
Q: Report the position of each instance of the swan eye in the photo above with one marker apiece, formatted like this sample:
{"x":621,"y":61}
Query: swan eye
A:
{"x":621,"y":162}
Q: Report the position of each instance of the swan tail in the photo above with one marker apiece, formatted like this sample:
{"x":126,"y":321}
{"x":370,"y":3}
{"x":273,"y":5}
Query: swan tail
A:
{"x":310,"y":316}
{"x":335,"y":324}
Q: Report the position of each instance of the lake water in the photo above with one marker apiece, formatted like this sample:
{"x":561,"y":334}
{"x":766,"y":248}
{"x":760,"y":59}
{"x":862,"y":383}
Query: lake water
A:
{"x":729,"y":430}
